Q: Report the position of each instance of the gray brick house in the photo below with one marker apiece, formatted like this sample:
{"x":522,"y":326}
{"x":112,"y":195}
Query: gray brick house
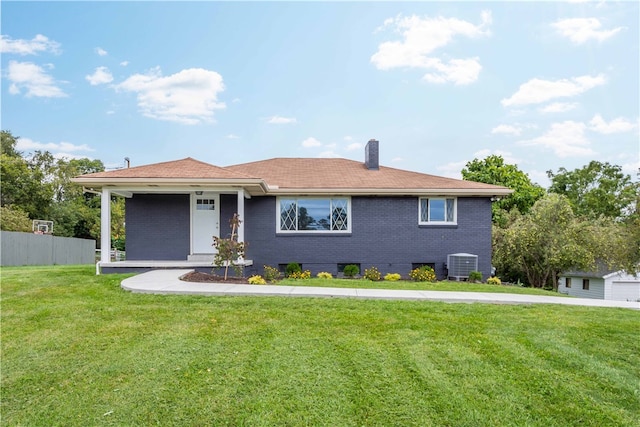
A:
{"x":321,"y":213}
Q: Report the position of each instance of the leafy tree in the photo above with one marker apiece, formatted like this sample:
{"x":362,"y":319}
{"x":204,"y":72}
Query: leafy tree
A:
{"x":14,"y":219}
{"x":551,"y":239}
{"x":493,"y":170}
{"x":40,"y":186}
{"x":23,"y":180}
{"x":597,"y":189}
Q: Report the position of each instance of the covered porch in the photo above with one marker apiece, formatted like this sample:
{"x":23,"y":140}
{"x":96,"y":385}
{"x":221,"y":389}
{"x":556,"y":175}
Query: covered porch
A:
{"x":171,"y":227}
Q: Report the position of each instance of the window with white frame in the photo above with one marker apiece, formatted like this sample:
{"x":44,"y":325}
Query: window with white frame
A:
{"x":437,"y":210}
{"x":314,"y":214}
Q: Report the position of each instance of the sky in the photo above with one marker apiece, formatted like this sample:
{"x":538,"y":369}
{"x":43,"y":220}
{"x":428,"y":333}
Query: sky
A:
{"x":543,"y":84}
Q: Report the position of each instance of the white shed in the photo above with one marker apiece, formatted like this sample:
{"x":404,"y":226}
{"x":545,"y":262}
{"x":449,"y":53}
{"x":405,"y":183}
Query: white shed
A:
{"x":616,"y":285}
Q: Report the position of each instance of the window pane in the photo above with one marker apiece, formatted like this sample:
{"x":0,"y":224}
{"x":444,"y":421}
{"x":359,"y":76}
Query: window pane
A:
{"x":424,"y":210}
{"x":314,"y":214}
{"x":287,"y":214}
{"x":450,"y":211}
{"x":436,"y":210}
{"x":339,"y":214}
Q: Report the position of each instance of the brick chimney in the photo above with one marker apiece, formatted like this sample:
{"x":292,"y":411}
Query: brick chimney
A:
{"x":371,"y":154}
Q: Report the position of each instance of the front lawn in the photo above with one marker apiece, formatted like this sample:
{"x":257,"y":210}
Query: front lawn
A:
{"x":78,"y":350}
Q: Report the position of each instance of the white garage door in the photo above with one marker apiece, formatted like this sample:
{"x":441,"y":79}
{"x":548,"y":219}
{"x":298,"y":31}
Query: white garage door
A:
{"x":625,"y":291}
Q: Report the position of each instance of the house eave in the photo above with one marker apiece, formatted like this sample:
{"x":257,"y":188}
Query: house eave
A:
{"x":460,"y":192}
{"x":253,"y":186}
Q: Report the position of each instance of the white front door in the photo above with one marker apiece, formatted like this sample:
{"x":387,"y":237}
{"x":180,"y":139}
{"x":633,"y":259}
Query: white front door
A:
{"x":205,"y":222}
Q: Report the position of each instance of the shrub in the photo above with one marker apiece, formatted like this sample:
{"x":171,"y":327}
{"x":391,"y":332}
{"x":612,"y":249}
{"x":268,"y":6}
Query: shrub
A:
{"x":271,"y":274}
{"x":351,"y":270}
{"x":324,"y":275}
{"x":257,"y":280}
{"x":475,"y":276}
{"x":423,"y":274}
{"x":292,"y":267}
{"x":372,"y":274}
{"x":392,"y":277}
{"x":300,"y":275}
{"x":494,"y":281}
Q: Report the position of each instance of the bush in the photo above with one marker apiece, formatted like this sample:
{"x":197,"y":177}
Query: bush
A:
{"x":351,"y":270}
{"x":423,"y":274}
{"x":324,"y":275}
{"x":257,"y":280}
{"x":392,"y":277}
{"x":292,"y":267}
{"x":372,"y":274}
{"x":475,"y":276}
{"x":271,"y":274}
{"x":494,"y":281}
{"x":300,"y":275}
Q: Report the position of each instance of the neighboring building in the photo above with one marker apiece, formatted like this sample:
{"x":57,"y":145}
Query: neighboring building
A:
{"x":321,"y":213}
{"x":611,"y":285}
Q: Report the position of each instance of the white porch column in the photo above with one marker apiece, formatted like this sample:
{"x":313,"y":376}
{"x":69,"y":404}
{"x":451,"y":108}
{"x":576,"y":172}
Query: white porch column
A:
{"x":241,"y":215}
{"x":105,"y":226}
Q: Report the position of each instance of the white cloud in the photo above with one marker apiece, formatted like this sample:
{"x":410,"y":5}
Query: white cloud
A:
{"x":536,"y":91}
{"x":110,"y":112}
{"x":456,"y":71}
{"x":101,"y":75}
{"x":189,"y":96}
{"x":354,"y":146}
{"x":100,"y":51}
{"x":311,"y":142}
{"x":124,"y":63}
{"x":506,"y":155}
{"x":397,"y":160}
{"x":507,"y":130}
{"x":565,"y":139}
{"x":232,"y":136}
{"x":348,"y":138}
{"x":452,"y":169}
{"x":37,"y":44}
{"x":423,"y":36}
{"x":58,"y":150}
{"x":559,"y":107}
{"x":581,"y":30}
{"x":33,"y":79}
{"x":278,"y":120}
{"x":597,"y":124}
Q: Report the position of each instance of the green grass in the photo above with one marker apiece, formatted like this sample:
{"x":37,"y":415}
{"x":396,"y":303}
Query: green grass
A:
{"x":421,"y":286}
{"x":77,"y":350}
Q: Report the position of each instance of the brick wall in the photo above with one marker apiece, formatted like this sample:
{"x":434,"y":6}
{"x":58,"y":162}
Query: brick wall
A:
{"x":385,"y":233}
{"x":157,"y":226}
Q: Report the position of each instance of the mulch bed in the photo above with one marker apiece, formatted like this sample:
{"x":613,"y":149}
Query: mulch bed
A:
{"x":196,"y":276}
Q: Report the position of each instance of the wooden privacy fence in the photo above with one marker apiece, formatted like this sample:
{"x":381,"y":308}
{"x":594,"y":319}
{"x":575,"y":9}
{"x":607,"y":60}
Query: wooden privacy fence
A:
{"x":42,"y":249}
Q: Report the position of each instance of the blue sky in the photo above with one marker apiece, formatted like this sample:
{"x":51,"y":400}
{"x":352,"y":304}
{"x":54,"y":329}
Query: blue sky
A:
{"x":544,"y":84}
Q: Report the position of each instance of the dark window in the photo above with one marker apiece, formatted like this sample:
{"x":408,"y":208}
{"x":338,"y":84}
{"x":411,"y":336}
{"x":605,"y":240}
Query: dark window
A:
{"x":341,"y":266}
{"x":567,"y":282}
{"x":415,"y":265}
{"x":205,"y":204}
{"x":585,"y":284}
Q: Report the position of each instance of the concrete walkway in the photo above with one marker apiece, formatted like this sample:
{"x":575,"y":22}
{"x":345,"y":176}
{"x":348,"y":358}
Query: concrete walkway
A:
{"x":168,"y":282}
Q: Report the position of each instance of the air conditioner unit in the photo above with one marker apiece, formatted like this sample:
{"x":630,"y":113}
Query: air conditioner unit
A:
{"x":460,"y":265}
